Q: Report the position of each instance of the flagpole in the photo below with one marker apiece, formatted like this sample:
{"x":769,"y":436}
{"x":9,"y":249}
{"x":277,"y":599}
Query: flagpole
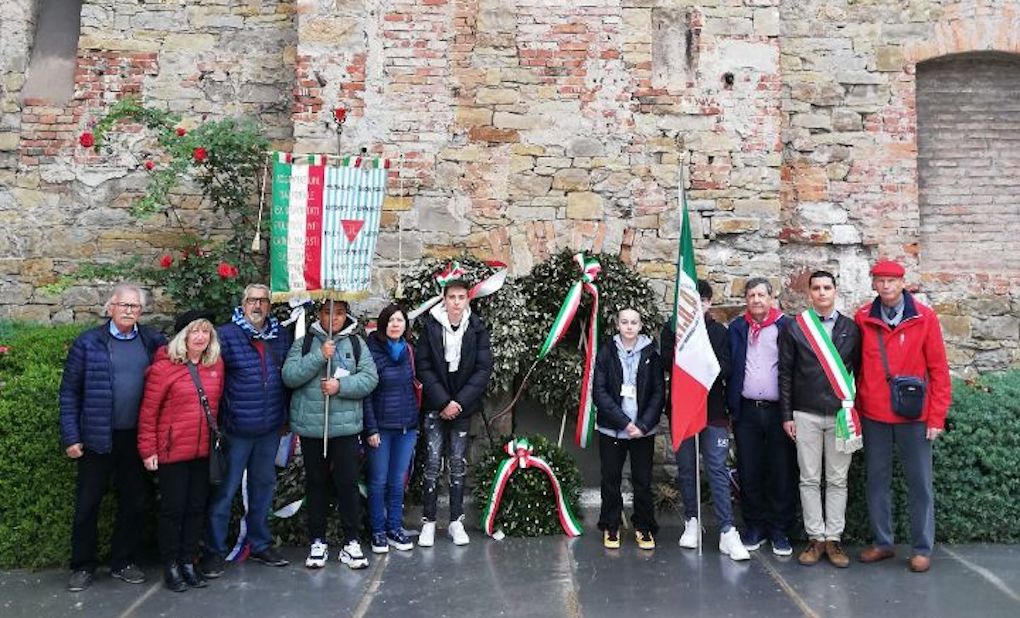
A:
{"x":697,"y":483}
{"x":325,"y":408}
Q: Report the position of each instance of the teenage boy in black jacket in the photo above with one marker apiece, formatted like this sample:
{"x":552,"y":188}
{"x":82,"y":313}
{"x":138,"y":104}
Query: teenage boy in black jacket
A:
{"x":454,"y":362}
{"x":628,"y":394}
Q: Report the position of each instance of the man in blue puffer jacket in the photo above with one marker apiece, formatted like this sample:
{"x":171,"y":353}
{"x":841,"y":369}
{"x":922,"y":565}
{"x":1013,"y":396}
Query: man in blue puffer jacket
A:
{"x":100,"y":393}
{"x":253,"y":410}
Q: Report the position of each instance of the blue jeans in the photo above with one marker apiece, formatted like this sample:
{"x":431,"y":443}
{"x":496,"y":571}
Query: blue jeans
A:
{"x":258,"y":456}
{"x":387,"y":468}
{"x":715,"y":447}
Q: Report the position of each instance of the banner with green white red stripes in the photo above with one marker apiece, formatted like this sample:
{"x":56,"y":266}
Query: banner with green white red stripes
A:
{"x":324,"y":225}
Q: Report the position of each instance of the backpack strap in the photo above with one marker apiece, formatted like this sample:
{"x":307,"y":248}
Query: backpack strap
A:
{"x":306,"y":346}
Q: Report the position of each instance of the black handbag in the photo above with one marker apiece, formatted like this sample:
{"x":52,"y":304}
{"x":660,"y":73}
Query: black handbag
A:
{"x":217,"y":441}
{"x":907,"y":392}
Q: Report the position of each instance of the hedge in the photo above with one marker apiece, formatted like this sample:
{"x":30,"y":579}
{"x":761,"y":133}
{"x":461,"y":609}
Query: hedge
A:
{"x":977,"y":461}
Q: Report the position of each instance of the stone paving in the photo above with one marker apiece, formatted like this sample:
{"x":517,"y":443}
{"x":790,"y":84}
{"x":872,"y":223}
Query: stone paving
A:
{"x":552,"y":577}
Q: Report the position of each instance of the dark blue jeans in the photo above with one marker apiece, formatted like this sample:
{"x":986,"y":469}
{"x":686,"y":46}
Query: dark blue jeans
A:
{"x":715,"y":447}
{"x":387,"y":468}
{"x":767,"y":463}
{"x":454,"y":434}
{"x":257,"y":456}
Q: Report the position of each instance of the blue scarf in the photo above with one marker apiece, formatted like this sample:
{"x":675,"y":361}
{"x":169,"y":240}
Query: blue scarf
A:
{"x":270,"y":332}
{"x":396,"y":348}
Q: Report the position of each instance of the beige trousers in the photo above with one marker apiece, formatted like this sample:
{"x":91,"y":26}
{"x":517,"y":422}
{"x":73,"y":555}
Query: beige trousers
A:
{"x":816,"y":444}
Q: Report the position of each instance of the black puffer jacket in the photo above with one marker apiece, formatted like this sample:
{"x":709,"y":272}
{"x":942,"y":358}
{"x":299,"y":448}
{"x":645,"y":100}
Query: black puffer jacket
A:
{"x":803,"y":385}
{"x":466,"y":386}
{"x":609,"y":381}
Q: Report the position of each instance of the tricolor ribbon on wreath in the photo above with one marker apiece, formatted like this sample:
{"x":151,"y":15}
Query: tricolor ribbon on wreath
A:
{"x":590,"y":269}
{"x":848,"y":423}
{"x":521,"y":456}
{"x":453,"y":271}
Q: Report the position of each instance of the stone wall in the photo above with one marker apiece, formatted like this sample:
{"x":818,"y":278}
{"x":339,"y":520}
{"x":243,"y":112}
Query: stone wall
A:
{"x":520,"y":128}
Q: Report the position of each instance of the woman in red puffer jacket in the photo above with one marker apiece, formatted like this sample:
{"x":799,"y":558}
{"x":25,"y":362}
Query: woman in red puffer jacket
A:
{"x":173,"y":440}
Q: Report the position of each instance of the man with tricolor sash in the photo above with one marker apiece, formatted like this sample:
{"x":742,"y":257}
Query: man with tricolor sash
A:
{"x":818,"y":356}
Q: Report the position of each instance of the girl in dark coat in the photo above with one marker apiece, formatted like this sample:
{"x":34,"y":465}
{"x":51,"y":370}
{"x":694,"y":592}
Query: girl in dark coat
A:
{"x":391,"y":427}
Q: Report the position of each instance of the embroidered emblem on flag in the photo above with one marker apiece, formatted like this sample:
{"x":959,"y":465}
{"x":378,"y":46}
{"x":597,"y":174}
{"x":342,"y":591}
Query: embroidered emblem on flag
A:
{"x":324,"y":225}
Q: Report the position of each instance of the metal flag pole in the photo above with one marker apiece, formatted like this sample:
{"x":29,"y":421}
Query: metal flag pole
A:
{"x":329,"y":371}
{"x":697,"y":481}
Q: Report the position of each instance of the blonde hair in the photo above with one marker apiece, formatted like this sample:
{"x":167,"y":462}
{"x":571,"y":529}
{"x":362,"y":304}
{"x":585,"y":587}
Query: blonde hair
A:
{"x":177,"y":349}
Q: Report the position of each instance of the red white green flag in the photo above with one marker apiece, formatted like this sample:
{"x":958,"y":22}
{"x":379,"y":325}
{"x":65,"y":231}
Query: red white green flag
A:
{"x":324,"y":224}
{"x":695,"y":366}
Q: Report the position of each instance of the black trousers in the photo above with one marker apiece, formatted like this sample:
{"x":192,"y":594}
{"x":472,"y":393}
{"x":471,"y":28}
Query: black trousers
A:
{"x":767,"y":465}
{"x":341,"y":468}
{"x":612,"y":454}
{"x":183,"y":489}
{"x":94,"y":472}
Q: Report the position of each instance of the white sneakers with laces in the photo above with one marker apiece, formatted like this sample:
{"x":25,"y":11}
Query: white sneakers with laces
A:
{"x":318,"y":554}
{"x":352,"y":556}
{"x":731,"y":545}
{"x":689,"y":539}
{"x":457,"y":532}
{"x":427,"y":537}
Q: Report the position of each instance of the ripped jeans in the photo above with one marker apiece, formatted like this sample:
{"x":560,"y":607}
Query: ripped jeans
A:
{"x":455,"y":434}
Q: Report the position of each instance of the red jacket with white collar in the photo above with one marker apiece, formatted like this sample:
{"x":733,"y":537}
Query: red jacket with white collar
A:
{"x":171,"y":422}
{"x":915,"y":348}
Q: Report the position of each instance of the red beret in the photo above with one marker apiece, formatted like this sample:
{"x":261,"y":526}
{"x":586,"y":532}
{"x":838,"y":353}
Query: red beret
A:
{"x":887,"y":268}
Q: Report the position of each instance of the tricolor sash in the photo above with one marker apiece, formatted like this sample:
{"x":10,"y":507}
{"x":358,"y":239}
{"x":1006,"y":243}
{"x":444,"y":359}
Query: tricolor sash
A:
{"x":848,"y":423}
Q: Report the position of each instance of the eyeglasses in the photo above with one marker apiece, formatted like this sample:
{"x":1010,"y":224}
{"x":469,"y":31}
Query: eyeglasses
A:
{"x":128,"y":306}
{"x":255,"y":301}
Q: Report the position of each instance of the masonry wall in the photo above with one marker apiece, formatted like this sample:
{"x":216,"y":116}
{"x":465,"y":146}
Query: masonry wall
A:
{"x":523,"y":127}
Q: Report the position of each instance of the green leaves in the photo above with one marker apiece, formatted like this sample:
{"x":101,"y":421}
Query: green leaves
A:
{"x":529,"y":504}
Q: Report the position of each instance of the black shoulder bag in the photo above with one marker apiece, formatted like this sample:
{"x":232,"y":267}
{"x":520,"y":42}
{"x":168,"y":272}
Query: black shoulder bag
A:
{"x":907,"y":392}
{"x":217,"y":441}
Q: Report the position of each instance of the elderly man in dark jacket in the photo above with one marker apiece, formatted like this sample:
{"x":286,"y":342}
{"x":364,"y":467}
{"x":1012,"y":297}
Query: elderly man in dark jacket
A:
{"x":454,"y":365}
{"x":100,"y":394}
{"x":253,"y":410}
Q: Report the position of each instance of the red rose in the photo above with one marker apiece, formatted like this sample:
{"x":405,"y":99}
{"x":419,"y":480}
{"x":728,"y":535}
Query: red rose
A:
{"x":150,"y":165}
{"x":199,"y":154}
{"x":166,"y":260}
{"x":340,"y":114}
{"x":4,"y":350}
{"x":226,"y":271}
{"x":87,"y":140}
{"x":181,"y":132}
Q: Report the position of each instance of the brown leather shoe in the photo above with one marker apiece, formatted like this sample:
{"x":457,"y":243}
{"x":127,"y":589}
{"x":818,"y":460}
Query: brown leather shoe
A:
{"x":812,"y":553}
{"x":873,"y":553}
{"x":919,"y":563}
{"x":836,"y":555}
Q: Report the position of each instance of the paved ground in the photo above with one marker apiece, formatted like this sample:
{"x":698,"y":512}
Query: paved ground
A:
{"x":550,"y":577}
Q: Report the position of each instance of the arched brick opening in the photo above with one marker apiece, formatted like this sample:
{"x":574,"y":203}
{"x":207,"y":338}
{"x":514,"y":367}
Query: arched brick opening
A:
{"x":968,"y":137}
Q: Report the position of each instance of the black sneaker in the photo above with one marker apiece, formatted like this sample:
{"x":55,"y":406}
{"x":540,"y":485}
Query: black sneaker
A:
{"x":212,"y":565}
{"x":270,"y":556}
{"x":80,"y":580}
{"x":130,"y":574}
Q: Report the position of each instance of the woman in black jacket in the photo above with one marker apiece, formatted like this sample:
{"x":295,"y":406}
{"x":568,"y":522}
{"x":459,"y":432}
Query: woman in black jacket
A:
{"x":628,"y":393}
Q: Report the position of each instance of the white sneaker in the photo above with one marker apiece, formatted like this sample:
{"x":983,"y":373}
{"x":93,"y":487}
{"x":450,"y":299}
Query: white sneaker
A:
{"x":731,"y":545}
{"x":427,"y":536}
{"x":352,"y":556}
{"x":457,"y":533}
{"x":317,"y":555}
{"x":689,"y":539}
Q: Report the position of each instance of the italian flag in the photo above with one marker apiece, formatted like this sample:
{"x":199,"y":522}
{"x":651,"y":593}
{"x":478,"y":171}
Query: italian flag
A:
{"x":695,"y":366}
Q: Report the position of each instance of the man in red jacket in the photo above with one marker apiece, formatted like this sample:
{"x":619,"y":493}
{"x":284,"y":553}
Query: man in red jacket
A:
{"x":911,"y":337}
